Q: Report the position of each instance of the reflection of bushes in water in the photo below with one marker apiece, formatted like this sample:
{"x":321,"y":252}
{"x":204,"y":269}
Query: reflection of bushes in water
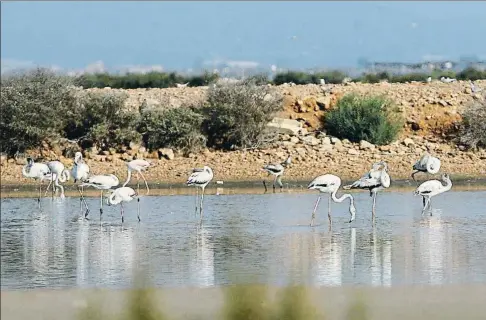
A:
{"x":240,"y":302}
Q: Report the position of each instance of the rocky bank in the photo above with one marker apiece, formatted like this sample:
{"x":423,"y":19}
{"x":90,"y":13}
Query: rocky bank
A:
{"x":431,"y":110}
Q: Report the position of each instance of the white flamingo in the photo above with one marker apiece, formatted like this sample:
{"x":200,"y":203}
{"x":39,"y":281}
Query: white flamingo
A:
{"x":431,"y":188}
{"x":374,"y":180}
{"x":80,"y":172}
{"x":200,"y":179}
{"x":137,"y":165}
{"x":329,"y":183}
{"x":36,"y":171}
{"x":427,"y":164}
{"x":277,"y":170}
{"x":120,"y":195}
{"x":101,"y":182}
{"x":58,"y":174}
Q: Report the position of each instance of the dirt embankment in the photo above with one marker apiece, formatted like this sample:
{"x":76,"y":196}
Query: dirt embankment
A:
{"x":431,"y":109}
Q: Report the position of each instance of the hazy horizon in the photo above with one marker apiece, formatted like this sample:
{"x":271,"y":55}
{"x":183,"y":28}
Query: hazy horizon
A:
{"x":183,"y":35}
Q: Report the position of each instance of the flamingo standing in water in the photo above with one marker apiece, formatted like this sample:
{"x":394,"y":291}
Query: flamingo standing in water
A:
{"x":58,"y":174}
{"x":431,"y":188}
{"x":120,"y":195}
{"x":37,"y":171}
{"x":101,"y":182}
{"x":80,"y":172}
{"x":329,"y":183}
{"x":200,"y":179}
{"x":427,"y":164}
{"x":277,"y":170}
{"x":374,"y":180}
{"x":137,"y":165}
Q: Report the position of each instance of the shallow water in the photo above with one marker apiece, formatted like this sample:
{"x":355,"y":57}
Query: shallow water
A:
{"x":244,"y":238}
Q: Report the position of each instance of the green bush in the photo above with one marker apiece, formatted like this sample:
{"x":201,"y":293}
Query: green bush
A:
{"x":35,"y":105}
{"x":205,"y":79}
{"x":409,"y":77}
{"x":178,"y":128}
{"x":473,"y":132}
{"x":371,"y":118}
{"x":471,"y":74}
{"x":373,"y":77}
{"x":237,"y":114}
{"x":299,"y":77}
{"x":102,"y":120}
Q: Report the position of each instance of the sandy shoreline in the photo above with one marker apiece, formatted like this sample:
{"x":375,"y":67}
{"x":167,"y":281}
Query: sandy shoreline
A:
{"x":400,"y":302}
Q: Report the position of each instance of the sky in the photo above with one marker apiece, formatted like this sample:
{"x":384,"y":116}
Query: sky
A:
{"x":183,"y":34}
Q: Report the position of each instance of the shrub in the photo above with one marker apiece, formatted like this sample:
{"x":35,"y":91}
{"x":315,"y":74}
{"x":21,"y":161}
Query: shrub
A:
{"x":34,"y":107}
{"x":409,"y":77}
{"x":237,"y":114}
{"x":373,"y":77}
{"x":471,"y":74}
{"x":371,"y":118}
{"x":299,"y":77}
{"x":474,"y":125}
{"x":102,"y":120}
{"x":205,"y":79}
{"x":178,"y":128}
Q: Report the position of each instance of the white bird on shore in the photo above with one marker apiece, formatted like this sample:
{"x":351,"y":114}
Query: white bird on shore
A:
{"x":58,"y":174}
{"x":427,"y":164}
{"x":330,"y":184}
{"x":137,"y":165}
{"x":277,"y":170}
{"x":200,"y":179}
{"x":474,"y":89}
{"x":374,"y":180}
{"x":431,"y":188}
{"x":36,"y":171}
{"x":101,"y":182}
{"x":120,"y":195}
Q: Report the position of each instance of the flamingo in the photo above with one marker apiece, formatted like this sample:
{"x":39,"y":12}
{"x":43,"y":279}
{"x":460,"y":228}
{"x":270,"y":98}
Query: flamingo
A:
{"x":427,"y":164}
{"x":431,"y":188}
{"x":80,"y":172}
{"x":101,"y":182}
{"x":374,"y":180}
{"x":277,"y":170}
{"x":120,"y":195}
{"x":137,"y":165}
{"x":329,"y":183}
{"x":200,"y":179}
{"x":58,"y":174}
{"x":37,"y":171}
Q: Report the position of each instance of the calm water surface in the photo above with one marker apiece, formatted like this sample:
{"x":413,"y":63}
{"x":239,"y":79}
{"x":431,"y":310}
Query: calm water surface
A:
{"x":244,"y":238}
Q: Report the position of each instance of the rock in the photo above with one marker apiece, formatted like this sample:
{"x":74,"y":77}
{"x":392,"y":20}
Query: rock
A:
{"x":285,"y":137}
{"x":294,"y":140}
{"x":327,"y":148}
{"x":346,"y":141}
{"x":311,"y":140}
{"x":365,"y":145}
{"x":407,"y":142}
{"x":385,"y":148}
{"x":3,"y":159}
{"x":109,"y":158}
{"x":353,"y":152}
{"x":335,"y":140}
{"x":300,"y":151}
{"x":443,"y":103}
{"x":285,"y":126}
{"x":324,"y":103}
{"x":142,"y":150}
{"x":105,"y":152}
{"x":167,"y":153}
{"x":326,"y":141}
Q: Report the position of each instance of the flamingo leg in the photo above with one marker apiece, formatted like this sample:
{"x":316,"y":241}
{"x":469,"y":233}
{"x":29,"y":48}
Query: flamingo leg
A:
{"x":82,"y":201}
{"x":101,"y":203}
{"x":329,"y":212}
{"x":265,"y":185}
{"x":197,"y":196}
{"x":201,"y":206}
{"x":121,"y":210}
{"x":40,"y":192}
{"x":374,"y":205}
{"x":279,"y":181}
{"x":314,"y":211}
{"x":138,"y":198}
{"x":274,"y":180}
{"x":52,"y":180}
{"x":47,"y":189}
{"x":426,"y":204}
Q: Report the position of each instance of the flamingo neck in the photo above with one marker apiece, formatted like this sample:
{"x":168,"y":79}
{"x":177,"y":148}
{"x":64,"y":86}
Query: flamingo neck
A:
{"x":342,"y":198}
{"x":448,"y":185}
{"x":24,"y":170}
{"x":128,"y":177}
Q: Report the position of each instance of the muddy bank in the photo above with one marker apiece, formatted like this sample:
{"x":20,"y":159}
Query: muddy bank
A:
{"x":418,"y":302}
